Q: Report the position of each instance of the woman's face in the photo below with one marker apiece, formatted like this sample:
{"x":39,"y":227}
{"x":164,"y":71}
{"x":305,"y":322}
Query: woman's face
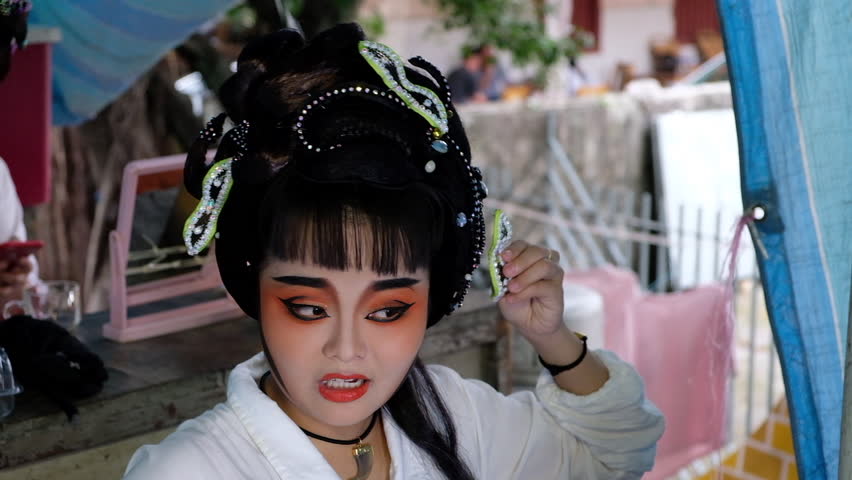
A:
{"x":342,"y":341}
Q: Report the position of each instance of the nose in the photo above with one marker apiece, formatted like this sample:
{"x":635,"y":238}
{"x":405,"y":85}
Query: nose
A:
{"x":346,"y":342}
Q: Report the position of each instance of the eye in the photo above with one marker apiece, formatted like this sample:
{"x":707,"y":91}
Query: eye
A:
{"x":389,"y":314}
{"x":304,"y":311}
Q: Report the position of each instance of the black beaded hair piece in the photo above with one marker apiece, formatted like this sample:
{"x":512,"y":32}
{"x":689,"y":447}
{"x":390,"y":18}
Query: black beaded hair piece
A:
{"x":341,"y":111}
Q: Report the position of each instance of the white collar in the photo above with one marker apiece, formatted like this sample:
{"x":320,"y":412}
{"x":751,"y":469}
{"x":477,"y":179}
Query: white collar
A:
{"x":290,"y":452}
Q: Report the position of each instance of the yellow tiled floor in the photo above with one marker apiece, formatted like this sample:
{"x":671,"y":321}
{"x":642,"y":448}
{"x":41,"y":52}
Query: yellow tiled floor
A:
{"x":767,"y":454}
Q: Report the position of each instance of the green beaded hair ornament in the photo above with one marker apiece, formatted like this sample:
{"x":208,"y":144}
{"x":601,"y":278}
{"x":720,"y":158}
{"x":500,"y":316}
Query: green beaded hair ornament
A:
{"x":500,"y":239}
{"x":390,"y":66}
{"x":200,"y":227}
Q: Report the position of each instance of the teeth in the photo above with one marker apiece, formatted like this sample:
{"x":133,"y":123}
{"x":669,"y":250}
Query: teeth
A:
{"x":343,"y":384}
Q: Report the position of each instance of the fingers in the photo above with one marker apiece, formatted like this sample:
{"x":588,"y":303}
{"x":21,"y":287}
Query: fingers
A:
{"x":8,"y":293}
{"x":528,"y":267}
{"x":13,"y":279}
{"x":513,"y":250}
{"x":545,"y":291}
{"x":520,"y":257}
{"x":22,"y":265}
{"x":553,"y":256}
{"x":541,"y":271}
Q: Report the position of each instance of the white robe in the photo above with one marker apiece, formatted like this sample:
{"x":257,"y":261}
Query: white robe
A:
{"x":12,"y":216}
{"x":546,"y":434}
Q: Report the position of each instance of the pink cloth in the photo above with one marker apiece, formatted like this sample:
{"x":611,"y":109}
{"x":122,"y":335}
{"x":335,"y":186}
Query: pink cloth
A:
{"x":681,"y":345}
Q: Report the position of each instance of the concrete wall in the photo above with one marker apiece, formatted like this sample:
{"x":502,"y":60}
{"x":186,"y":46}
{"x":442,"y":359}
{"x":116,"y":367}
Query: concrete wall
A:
{"x":605,"y":137}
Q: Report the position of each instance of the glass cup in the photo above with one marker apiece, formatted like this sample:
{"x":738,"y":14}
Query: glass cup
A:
{"x":57,"y":301}
{"x":8,"y":387}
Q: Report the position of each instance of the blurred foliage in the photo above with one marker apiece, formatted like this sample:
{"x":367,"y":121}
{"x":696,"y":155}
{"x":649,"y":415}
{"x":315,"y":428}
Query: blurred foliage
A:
{"x":374,"y":25}
{"x":317,"y":15}
{"x":515,"y":26}
{"x":257,"y":17}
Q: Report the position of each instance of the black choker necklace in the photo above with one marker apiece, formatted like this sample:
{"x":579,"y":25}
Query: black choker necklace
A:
{"x":354,"y":441}
{"x":361,"y":452}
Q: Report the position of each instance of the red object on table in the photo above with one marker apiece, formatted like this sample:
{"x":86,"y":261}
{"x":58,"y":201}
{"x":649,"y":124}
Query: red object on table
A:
{"x":25,"y":122}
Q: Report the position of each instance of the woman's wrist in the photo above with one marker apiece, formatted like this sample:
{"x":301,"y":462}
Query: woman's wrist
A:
{"x":559,"y":348}
{"x":564,"y":347}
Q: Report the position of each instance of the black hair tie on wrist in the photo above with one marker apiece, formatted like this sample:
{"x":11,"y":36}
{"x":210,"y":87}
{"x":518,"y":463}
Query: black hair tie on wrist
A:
{"x":557,"y":369}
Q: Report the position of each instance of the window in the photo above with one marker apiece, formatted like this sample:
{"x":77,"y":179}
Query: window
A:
{"x":692,"y":17}
{"x":585,"y":14}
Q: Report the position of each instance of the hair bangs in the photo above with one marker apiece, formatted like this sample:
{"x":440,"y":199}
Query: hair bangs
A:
{"x":346,"y":226}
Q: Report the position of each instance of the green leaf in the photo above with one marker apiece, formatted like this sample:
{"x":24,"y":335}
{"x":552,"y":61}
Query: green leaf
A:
{"x":512,"y":26}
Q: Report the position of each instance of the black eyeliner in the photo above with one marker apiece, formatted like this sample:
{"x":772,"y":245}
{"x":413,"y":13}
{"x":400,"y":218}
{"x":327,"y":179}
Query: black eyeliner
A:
{"x":290,"y":305}
{"x":401,"y":310}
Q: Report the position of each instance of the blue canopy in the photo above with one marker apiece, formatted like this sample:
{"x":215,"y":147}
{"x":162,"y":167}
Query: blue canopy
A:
{"x":107,"y":44}
{"x":791,"y":64}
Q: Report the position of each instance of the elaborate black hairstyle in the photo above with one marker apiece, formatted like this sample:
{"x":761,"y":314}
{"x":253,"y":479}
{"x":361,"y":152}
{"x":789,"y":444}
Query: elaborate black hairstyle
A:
{"x":336,"y":113}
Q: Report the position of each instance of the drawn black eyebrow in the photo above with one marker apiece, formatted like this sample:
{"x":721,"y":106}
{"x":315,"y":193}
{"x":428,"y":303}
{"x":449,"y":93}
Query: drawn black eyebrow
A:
{"x":312,"y":282}
{"x":393,"y":283}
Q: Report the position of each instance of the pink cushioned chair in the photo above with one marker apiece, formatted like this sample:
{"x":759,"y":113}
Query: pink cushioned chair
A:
{"x":681,"y":344}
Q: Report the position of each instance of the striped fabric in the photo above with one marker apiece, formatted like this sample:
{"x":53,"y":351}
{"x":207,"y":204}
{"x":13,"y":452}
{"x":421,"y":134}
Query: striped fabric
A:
{"x":791,"y":62}
{"x":107,"y":44}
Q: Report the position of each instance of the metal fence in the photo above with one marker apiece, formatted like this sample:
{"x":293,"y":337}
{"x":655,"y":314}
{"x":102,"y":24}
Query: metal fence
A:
{"x":595,"y":225}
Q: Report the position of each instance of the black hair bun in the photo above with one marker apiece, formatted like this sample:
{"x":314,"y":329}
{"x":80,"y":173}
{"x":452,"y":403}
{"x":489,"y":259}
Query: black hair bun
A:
{"x":319,"y":111}
{"x":258,"y":57}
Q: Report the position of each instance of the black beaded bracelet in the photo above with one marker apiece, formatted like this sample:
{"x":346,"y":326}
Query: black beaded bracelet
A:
{"x":557,"y":369}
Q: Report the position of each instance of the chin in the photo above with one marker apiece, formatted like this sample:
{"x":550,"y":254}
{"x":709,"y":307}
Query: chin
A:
{"x":346,"y":414}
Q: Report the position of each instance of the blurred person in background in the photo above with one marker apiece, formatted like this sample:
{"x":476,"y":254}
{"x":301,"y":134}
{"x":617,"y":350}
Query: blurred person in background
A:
{"x":577,"y":78}
{"x":492,"y":81}
{"x":465,"y":81}
{"x":15,"y":275}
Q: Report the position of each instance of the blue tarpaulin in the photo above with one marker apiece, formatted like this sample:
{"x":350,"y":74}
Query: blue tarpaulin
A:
{"x":791,"y":67}
{"x":107,"y":44}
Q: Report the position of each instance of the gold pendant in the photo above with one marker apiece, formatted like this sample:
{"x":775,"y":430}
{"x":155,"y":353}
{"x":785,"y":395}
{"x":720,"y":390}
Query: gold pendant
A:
{"x":363,"y":453}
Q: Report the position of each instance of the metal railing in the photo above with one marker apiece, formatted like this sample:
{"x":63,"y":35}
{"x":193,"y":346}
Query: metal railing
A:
{"x":594,"y":225}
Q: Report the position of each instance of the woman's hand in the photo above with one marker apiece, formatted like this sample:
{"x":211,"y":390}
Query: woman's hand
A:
{"x":534,"y":302}
{"x":14,"y":279}
{"x":534,"y":305}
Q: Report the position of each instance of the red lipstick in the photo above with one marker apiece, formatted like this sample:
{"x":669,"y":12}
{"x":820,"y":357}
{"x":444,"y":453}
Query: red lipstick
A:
{"x":342,"y":388}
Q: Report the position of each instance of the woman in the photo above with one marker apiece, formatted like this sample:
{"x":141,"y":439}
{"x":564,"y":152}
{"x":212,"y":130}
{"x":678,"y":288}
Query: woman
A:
{"x":15,"y":275}
{"x":348,"y":220}
{"x":19,"y":273}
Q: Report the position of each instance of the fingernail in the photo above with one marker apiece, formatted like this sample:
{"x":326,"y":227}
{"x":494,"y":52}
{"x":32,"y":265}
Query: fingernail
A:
{"x":513,"y":286}
{"x":506,"y":254}
{"x":509,"y":270}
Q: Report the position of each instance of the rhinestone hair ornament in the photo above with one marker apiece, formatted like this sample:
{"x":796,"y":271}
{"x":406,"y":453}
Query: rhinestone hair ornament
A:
{"x":500,"y":239}
{"x":200,"y":228}
{"x":388,"y":64}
